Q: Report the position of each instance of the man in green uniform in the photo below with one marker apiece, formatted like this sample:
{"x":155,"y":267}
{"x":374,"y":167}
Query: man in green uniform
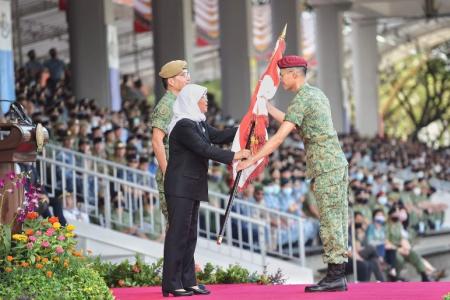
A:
{"x":310,"y":114}
{"x":403,"y":247}
{"x":174,"y":76}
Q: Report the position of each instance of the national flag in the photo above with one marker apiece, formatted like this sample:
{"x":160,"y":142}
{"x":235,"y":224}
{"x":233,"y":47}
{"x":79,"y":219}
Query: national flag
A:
{"x":264,"y":90}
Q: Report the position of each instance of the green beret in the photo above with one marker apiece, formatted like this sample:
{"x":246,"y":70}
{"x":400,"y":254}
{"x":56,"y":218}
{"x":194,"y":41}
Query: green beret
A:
{"x":172,"y":68}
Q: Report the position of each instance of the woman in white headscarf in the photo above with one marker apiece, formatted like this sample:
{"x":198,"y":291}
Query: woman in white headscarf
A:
{"x":185,"y":185}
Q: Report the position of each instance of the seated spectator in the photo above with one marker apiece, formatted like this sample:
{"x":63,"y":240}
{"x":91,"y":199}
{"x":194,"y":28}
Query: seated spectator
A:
{"x":72,"y":210}
{"x":376,"y":237}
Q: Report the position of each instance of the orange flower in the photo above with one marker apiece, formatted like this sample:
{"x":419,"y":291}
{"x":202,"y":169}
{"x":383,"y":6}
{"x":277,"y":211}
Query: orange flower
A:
{"x":45,"y":260}
{"x":39,"y":266}
{"x":53,"y":220}
{"x":8,"y":269}
{"x":38,"y":258}
{"x":29,"y":232}
{"x":24,"y":264}
{"x":77,"y":253}
{"x":56,"y":258}
{"x":32,"y":215}
{"x":49,"y":274}
{"x":66,"y":264}
{"x":9,"y":258}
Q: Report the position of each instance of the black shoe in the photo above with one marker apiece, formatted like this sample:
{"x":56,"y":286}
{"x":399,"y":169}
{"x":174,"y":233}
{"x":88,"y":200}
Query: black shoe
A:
{"x":425,"y":277}
{"x":201,"y":290}
{"x":176,"y":293}
{"x":334,"y":281}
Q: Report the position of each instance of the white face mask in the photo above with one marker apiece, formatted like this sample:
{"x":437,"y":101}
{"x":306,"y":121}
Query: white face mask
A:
{"x":382,"y":200}
{"x":359,"y":176}
{"x":402,"y":216}
{"x":416,"y":191}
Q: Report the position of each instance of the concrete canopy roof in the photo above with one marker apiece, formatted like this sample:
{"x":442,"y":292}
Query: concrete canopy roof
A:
{"x":393,"y":8}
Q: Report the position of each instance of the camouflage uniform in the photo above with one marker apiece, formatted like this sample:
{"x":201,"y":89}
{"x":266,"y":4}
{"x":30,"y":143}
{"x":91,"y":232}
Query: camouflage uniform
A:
{"x":161,"y":117}
{"x":394,"y":235}
{"x":326,"y":165}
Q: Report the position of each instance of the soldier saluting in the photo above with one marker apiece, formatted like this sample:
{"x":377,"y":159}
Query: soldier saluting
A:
{"x":310,"y":113}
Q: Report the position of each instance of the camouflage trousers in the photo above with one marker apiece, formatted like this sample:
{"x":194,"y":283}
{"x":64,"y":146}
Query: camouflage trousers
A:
{"x":331,"y":192}
{"x":413,"y":258}
{"x":162,"y":197}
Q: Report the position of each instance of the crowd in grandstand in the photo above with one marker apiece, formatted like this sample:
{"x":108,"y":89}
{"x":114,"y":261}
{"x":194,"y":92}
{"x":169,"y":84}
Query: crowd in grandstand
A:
{"x":390,"y":187}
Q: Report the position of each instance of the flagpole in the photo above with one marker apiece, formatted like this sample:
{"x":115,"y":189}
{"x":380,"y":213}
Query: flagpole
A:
{"x":233,"y":191}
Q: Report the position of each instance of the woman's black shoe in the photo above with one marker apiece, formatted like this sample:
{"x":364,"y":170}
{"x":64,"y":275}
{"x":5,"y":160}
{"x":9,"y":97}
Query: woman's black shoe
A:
{"x":176,"y":293}
{"x":198,"y":291}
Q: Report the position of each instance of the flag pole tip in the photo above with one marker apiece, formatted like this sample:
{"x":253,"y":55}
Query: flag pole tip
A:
{"x":283,"y":33}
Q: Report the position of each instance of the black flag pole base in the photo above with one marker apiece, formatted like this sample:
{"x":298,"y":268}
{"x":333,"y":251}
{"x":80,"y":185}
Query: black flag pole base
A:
{"x":233,"y":192}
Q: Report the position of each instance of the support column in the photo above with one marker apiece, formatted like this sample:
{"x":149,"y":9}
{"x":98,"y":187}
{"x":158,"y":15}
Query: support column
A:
{"x":235,"y":55}
{"x":329,"y":59}
{"x":7,"y":92}
{"x":365,"y":76}
{"x":88,"y":35}
{"x":287,"y":12}
{"x":173,"y":36}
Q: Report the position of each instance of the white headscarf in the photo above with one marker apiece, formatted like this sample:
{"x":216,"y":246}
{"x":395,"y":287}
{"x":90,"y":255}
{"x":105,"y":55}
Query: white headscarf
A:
{"x":186,"y":105}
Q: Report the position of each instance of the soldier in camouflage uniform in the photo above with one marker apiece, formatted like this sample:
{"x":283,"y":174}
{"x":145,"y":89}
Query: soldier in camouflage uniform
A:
{"x":309,"y":113}
{"x":175,"y":76}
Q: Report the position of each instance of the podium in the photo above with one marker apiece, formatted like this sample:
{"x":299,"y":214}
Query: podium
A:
{"x":20,"y":141}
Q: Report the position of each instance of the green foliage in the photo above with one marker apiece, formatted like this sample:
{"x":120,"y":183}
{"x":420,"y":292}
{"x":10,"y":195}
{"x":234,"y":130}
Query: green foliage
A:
{"x":5,"y":239}
{"x":446,"y":297}
{"x":237,"y":274}
{"x":414,"y":95}
{"x":126,"y":274}
{"x":80,"y":283}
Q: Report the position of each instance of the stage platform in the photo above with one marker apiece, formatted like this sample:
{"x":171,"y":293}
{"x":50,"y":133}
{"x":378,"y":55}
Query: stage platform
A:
{"x":357,"y":291}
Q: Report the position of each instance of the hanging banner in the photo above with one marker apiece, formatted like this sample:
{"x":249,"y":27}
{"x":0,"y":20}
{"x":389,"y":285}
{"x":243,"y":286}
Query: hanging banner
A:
{"x":6,"y":57}
{"x":142,"y":15}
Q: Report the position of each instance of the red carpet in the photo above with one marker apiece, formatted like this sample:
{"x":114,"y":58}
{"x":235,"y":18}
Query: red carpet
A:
{"x":358,"y":291}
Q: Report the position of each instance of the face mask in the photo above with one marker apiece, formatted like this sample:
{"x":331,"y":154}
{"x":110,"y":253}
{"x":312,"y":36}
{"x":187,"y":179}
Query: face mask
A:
{"x":382,"y":200}
{"x":402,"y":215}
{"x":380,"y":220}
{"x":359,"y":176}
{"x":276,"y":189}
{"x":362,"y":200}
{"x":268,"y":190}
{"x":417,"y":191}
{"x":287,"y":191}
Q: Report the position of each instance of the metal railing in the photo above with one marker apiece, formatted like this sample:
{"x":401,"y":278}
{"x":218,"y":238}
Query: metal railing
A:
{"x":125,"y":199}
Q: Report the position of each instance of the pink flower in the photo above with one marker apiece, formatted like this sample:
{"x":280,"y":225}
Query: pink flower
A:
{"x":38,"y":233}
{"x":61,"y":238}
{"x":59,"y":250}
{"x":2,"y":183}
{"x":11,"y":175}
{"x":32,"y":238}
{"x":30,"y":246}
{"x":45,"y":244}
{"x":9,"y":191}
{"x":50,"y":231}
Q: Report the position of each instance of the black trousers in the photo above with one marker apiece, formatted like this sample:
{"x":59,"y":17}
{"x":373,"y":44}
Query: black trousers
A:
{"x":180,"y":242}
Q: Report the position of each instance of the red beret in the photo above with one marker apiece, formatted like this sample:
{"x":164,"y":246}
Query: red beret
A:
{"x":292,"y":61}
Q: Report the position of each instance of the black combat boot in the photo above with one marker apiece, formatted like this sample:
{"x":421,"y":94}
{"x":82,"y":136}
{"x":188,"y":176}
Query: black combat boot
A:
{"x":334,"y":280}
{"x":425,"y":277}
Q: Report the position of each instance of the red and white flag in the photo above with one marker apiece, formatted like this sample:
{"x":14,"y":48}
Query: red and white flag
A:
{"x":264,"y":90}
